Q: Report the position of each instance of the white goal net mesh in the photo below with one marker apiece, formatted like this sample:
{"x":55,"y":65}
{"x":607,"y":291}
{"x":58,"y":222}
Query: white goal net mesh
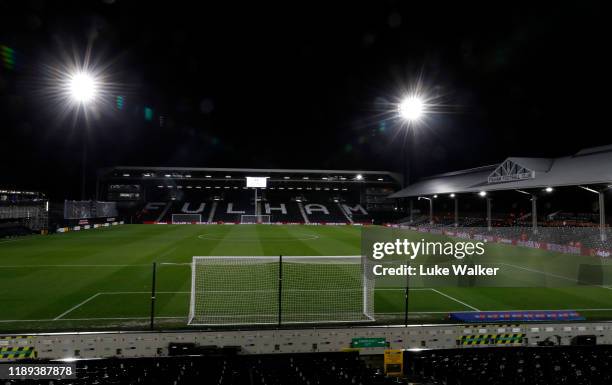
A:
{"x":254,"y":219}
{"x":186,"y":218}
{"x":248,"y":290}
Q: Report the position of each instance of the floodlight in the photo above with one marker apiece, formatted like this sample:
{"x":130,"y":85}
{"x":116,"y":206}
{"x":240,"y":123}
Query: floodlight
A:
{"x":411,"y":108}
{"x":83,"y":87}
{"x":359,"y":177}
{"x":482,"y":193}
{"x":435,"y":195}
{"x":548,"y":189}
{"x":452,"y":195}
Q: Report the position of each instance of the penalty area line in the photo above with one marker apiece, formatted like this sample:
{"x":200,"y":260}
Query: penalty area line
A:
{"x":61,"y":316}
{"x":455,"y":299}
{"x":76,"y":306}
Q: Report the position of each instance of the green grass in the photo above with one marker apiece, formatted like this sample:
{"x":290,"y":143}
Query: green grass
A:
{"x":102,"y":278}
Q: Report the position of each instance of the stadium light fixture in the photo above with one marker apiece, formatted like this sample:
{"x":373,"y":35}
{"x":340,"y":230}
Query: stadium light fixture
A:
{"x":435,"y":195}
{"x":83,"y":87}
{"x":359,"y":177}
{"x":411,"y":108}
{"x":548,"y":189}
{"x":452,"y":195}
{"x":482,"y":194}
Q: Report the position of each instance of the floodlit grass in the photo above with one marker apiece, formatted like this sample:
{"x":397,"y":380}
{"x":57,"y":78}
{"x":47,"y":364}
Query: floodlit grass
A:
{"x":102,"y":278}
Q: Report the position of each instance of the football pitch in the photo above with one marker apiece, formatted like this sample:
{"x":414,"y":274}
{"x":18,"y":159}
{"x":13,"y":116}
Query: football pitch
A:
{"x":102,"y":278}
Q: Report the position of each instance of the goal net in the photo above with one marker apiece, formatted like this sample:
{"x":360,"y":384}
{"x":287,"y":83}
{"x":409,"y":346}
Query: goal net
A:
{"x":186,"y":218}
{"x":254,"y":219}
{"x":266,"y":290}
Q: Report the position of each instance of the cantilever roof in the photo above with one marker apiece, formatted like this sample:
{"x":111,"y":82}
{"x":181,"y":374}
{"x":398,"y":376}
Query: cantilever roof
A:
{"x":587,"y":167}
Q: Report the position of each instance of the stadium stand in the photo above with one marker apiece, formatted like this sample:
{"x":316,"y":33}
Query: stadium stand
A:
{"x":22,"y":213}
{"x":220,"y":369}
{"x":292,"y":196}
{"x":513,"y":366}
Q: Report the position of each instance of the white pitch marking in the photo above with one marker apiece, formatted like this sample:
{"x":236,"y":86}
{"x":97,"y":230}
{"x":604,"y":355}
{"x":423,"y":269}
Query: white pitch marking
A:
{"x":76,"y":306}
{"x":455,"y":299}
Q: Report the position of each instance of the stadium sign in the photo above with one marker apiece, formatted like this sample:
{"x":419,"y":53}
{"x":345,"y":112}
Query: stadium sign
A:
{"x":362,"y":342}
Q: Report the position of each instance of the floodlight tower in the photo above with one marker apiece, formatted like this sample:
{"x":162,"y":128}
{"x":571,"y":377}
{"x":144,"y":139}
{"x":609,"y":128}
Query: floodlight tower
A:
{"x":411,"y":110}
{"x":82,"y":88}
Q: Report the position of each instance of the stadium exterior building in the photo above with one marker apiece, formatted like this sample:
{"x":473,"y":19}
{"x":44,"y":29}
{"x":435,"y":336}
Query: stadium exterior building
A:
{"x":220,"y":195}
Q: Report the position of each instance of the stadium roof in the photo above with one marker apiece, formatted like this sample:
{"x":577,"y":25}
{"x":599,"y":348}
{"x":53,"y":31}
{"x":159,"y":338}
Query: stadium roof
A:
{"x":239,"y":173}
{"x":589,"y":166}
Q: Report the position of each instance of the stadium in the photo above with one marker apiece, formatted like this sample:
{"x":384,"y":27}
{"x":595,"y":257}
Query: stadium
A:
{"x":404,"y":256}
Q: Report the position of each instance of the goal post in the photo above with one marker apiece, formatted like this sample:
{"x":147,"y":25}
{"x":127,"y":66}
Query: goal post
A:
{"x":270,"y":290}
{"x":254,"y":219}
{"x":186,"y":218}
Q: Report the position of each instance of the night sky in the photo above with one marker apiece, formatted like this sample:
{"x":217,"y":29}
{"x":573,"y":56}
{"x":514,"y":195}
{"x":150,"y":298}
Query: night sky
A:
{"x":300,"y":85}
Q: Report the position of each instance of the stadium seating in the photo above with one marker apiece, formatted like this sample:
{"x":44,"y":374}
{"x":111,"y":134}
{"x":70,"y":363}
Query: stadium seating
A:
{"x":513,"y":366}
{"x":312,"y":369}
{"x":282,"y":206}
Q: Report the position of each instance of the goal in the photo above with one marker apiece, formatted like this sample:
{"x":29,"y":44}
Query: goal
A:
{"x":274,"y":290}
{"x":254,"y":219}
{"x":186,"y":218}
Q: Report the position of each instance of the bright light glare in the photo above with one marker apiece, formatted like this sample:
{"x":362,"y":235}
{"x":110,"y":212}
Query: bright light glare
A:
{"x":549,"y":189}
{"x":452,"y":195}
{"x":359,"y":177}
{"x":482,"y":193}
{"x":411,"y":108}
{"x":83,"y":87}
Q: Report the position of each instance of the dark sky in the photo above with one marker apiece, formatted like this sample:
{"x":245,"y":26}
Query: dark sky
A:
{"x":301,"y":84}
